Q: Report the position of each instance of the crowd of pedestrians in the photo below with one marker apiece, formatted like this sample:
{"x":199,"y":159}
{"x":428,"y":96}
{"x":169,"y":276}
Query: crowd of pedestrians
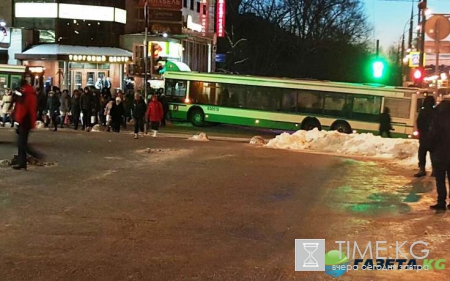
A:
{"x":86,"y":107}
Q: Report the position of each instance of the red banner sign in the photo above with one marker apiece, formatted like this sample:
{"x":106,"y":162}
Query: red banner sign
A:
{"x":204,"y":17}
{"x":220,"y":18}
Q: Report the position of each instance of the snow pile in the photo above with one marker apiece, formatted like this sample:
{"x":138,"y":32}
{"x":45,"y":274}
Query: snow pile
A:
{"x":257,"y":140}
{"x":200,"y":137}
{"x":96,"y":128}
{"x":402,"y":150}
{"x":40,"y":125}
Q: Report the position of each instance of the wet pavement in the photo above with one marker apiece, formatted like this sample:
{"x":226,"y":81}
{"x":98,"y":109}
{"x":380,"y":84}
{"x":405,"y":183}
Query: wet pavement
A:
{"x":114,"y":208}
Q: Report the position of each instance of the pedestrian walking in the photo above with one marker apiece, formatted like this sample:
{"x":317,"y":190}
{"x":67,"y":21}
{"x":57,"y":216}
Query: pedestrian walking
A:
{"x":154,"y":114}
{"x":386,"y":123}
{"x":108,"y":113}
{"x":75,"y":108}
{"x":53,"y":105}
{"x":25,"y":115}
{"x":117,"y":112}
{"x":139,"y":108}
{"x":439,"y":143}
{"x":7,"y":107}
{"x":86,"y":108}
{"x":64,"y":107}
{"x":165,"y":104}
{"x":424,"y":121}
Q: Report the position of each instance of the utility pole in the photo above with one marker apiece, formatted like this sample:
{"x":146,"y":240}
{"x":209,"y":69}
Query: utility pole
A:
{"x":423,"y":8}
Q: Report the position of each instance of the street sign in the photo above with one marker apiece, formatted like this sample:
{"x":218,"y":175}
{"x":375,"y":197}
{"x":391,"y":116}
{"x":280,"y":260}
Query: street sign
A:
{"x":414,"y":59}
{"x":437,"y":27}
{"x":165,"y":15}
{"x":220,"y":57}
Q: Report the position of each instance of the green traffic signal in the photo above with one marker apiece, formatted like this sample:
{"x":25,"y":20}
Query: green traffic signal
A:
{"x":378,"y":69}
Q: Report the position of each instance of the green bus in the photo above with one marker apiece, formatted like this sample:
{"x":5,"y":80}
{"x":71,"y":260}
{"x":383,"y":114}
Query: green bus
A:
{"x":288,"y":104}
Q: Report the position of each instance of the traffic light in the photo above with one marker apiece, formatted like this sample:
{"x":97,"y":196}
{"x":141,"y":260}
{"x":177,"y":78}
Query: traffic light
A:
{"x":418,"y":77}
{"x":378,"y":69}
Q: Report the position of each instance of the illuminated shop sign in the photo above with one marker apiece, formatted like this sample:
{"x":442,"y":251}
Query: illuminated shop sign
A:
{"x":98,"y":59}
{"x":166,"y":49}
{"x":70,"y":11}
{"x":220,"y":19}
{"x":36,"y":10}
{"x":193,"y":26}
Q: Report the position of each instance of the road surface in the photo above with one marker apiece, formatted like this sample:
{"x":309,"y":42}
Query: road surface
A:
{"x":114,"y":208}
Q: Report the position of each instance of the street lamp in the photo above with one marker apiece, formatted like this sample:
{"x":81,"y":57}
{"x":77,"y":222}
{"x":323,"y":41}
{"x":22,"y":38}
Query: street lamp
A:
{"x":2,"y":23}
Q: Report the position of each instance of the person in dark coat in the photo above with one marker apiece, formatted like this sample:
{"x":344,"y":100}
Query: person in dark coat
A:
{"x":424,"y":120}
{"x":117,"y":112}
{"x":41,"y":103}
{"x":439,"y":142}
{"x":385,"y":122}
{"x":53,"y":105}
{"x":75,"y":108}
{"x":86,"y":108}
{"x":165,"y":104}
{"x":139,"y":109}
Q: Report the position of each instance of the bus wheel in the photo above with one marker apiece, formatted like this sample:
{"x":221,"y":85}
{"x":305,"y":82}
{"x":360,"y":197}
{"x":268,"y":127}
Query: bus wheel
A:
{"x":197,"y":117}
{"x":341,"y":127}
{"x":309,"y":123}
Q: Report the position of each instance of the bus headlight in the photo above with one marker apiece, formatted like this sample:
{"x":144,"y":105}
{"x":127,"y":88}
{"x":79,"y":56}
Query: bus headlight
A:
{"x":416,"y":133}
{"x":186,"y":100}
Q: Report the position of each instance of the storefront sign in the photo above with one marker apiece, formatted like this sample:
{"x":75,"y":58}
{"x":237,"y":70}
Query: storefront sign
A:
{"x":165,"y":15}
{"x":163,"y":4}
{"x":192,"y":25}
{"x":220,"y":18}
{"x":204,"y":16}
{"x":98,"y":59}
{"x":163,"y":27}
{"x":70,"y":11}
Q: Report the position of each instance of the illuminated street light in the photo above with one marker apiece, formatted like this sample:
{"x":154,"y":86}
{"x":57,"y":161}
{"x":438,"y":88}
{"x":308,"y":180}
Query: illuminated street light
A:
{"x":2,"y":23}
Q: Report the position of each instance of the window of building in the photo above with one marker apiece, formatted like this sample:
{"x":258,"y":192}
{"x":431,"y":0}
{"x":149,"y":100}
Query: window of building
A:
{"x":198,"y":7}
{"x":204,"y":9}
{"x":192,"y":5}
{"x":185,"y":3}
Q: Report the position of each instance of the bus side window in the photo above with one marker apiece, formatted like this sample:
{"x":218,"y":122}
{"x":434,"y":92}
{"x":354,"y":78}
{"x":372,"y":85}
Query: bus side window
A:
{"x":366,"y":108}
{"x":310,"y":102}
{"x":288,"y":100}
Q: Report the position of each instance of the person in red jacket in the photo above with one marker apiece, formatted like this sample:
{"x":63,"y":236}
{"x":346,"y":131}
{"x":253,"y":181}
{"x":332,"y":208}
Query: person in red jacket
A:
{"x":25,"y":113}
{"x":155,"y":113}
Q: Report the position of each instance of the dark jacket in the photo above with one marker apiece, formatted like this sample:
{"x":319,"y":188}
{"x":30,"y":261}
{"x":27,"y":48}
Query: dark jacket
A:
{"x":117,"y":112}
{"x":385,"y":122}
{"x":86,"y":102}
{"x":53,"y":105}
{"x":95,"y":103}
{"x":440,"y":135}
{"x":425,"y":118}
{"x":139,"y":109}
{"x":75,"y":105}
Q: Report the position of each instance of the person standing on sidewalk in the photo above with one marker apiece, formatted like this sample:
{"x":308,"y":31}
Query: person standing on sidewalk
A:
{"x":155,"y":113}
{"x":75,"y":108}
{"x":439,"y":142}
{"x":25,"y":115}
{"x":64,"y":107}
{"x":7,"y":107}
{"x":424,"y":121}
{"x":139,"y":109}
{"x":86,"y":108}
{"x":53,"y":105}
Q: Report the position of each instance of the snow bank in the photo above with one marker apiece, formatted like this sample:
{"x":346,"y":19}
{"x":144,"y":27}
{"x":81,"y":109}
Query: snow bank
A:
{"x":257,"y":140}
{"x":40,"y":125}
{"x":200,"y":137}
{"x":402,"y":151}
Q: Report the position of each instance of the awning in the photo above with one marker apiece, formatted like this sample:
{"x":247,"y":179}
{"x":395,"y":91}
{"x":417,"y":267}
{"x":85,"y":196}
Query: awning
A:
{"x":75,"y":53}
{"x":176,"y":66}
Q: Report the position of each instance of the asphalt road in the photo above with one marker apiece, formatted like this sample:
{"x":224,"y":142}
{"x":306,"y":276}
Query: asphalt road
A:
{"x":115,"y":208}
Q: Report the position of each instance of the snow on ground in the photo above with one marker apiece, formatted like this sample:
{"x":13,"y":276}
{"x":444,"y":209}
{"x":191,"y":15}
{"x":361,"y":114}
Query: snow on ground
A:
{"x":400,"y":151}
{"x":200,"y":137}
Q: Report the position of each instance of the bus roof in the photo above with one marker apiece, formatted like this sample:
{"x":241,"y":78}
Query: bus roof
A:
{"x":368,"y":89}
